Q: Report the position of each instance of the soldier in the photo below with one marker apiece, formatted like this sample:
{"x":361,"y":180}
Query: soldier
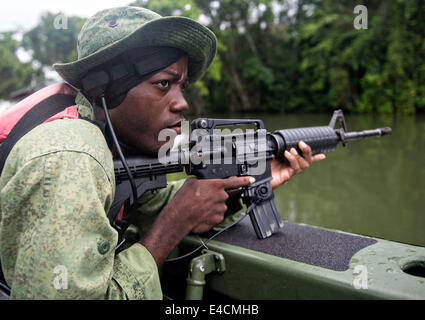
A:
{"x":58,"y":182}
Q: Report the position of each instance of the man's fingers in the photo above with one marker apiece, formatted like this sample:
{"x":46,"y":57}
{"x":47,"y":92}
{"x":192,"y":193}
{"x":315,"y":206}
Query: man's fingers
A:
{"x":236,"y":182}
{"x":306,"y":151}
{"x":307,"y":154}
{"x":318,"y":157}
{"x":293,"y":161}
{"x":303,"y":163}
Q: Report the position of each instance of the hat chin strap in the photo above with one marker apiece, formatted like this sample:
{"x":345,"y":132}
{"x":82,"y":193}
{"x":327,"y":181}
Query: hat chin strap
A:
{"x":116,"y":77}
{"x":117,"y":90}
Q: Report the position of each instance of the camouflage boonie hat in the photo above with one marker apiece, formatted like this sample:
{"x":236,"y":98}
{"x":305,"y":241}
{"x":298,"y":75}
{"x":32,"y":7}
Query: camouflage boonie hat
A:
{"x":111,"y":32}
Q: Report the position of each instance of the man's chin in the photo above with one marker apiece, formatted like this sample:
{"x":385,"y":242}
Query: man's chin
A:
{"x":135,"y":149}
{"x":153,"y":150}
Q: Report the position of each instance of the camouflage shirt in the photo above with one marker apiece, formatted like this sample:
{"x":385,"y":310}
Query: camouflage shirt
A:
{"x":55,"y":239}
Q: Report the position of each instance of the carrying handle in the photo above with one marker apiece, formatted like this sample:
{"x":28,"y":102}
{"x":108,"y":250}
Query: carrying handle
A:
{"x":211,"y":124}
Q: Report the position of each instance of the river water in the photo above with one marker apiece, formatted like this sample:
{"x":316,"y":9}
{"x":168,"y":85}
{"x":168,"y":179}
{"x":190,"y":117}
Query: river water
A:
{"x":374,"y":187}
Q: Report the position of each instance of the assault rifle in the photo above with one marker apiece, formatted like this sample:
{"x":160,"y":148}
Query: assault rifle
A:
{"x":218,"y":156}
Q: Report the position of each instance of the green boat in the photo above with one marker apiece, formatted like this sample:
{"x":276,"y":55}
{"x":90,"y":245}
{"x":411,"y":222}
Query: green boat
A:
{"x":298,"y":262}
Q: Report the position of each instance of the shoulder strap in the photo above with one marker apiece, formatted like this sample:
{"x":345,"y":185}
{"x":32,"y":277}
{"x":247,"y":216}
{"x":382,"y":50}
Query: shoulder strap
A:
{"x":34,"y":117}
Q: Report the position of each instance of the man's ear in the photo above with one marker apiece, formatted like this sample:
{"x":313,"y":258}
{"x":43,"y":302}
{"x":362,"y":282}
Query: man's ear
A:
{"x":94,"y":83}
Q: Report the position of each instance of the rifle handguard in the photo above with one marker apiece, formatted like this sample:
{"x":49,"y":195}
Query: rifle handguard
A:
{"x":320,"y":139}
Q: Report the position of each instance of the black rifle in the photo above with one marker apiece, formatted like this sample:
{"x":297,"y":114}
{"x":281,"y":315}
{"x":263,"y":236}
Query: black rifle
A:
{"x":219,"y":156}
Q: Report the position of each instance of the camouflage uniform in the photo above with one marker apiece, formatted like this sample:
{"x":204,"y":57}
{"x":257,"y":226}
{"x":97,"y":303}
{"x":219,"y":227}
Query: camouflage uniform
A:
{"x":55,"y":239}
{"x":58,"y":182}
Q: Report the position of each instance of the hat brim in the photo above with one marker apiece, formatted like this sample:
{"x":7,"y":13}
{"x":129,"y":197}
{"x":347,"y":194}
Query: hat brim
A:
{"x":179,"y":32}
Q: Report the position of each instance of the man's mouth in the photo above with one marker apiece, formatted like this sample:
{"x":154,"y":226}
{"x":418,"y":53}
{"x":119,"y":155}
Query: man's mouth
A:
{"x":176,"y":127}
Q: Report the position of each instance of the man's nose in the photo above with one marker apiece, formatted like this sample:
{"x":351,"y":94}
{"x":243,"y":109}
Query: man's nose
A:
{"x":179,"y":104}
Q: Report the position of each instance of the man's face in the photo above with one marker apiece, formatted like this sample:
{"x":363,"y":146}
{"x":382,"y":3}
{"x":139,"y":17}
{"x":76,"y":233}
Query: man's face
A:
{"x":151,"y":106}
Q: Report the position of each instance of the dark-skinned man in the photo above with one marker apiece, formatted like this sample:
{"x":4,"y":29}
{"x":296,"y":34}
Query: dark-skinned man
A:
{"x":58,"y":182}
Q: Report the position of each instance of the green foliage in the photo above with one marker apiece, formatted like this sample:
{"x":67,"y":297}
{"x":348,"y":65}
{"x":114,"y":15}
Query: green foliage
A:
{"x":256,"y":73}
{"x":308,"y":57}
{"x":378,"y":69}
{"x":13,"y":74}
{"x":285,"y":56}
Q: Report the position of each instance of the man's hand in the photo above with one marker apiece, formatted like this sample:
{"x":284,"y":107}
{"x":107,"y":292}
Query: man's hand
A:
{"x":282,"y":172}
{"x":204,"y":201}
{"x":197,"y":206}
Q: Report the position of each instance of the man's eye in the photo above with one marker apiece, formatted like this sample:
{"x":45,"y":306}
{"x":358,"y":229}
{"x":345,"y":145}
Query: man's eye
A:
{"x":185,"y":85}
{"x":164,"y":83}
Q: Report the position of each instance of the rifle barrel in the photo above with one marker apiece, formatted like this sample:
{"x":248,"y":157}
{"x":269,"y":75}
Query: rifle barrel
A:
{"x":320,"y":139}
{"x":379,"y":132}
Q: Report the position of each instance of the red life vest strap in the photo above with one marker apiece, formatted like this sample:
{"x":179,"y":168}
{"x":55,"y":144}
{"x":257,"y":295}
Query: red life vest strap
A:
{"x":10,"y":118}
{"x":45,"y":105}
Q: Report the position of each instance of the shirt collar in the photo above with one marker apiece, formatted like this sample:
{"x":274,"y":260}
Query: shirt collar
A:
{"x":84,"y":107}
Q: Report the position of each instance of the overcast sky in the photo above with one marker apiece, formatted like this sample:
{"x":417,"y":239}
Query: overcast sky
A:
{"x":25,"y":13}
